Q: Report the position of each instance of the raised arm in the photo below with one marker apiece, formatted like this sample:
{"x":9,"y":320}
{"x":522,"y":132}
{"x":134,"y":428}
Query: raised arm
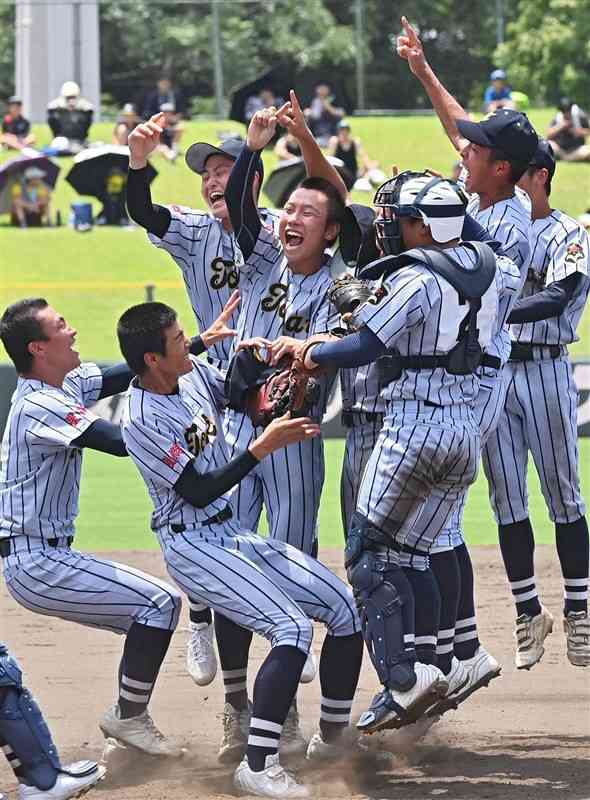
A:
{"x":291,"y":117}
{"x":143,"y":140}
{"x":448,"y":109}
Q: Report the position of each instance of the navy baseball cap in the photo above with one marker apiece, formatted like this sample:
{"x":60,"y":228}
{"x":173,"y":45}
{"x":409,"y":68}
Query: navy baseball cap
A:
{"x":544,"y":157}
{"x":198,"y":153}
{"x":506,"y":130}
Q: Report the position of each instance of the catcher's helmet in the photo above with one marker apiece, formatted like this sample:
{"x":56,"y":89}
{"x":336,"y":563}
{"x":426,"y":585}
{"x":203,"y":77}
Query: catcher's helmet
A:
{"x":439,"y":202}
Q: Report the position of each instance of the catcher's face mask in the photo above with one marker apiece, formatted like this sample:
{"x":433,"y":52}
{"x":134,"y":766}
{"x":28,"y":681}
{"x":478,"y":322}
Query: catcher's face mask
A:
{"x":387,"y":228}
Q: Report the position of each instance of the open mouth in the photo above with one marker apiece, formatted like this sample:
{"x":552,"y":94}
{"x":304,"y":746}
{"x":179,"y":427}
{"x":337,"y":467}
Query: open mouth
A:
{"x":293,"y":239}
{"x":216,"y":197}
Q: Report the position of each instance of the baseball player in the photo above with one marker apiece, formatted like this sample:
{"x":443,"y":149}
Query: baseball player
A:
{"x":172,"y":426}
{"x":205,"y":248}
{"x":495,"y":153}
{"x":284,"y":288}
{"x":48,"y":427}
{"x":429,"y":443}
{"x":26,"y":742}
{"x":540,"y":416}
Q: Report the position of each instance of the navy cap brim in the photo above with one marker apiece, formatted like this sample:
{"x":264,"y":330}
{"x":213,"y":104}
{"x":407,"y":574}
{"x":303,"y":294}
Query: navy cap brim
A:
{"x":472,"y":131}
{"x":198,"y":153}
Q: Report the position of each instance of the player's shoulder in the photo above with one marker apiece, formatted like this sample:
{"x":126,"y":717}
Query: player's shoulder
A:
{"x":559,"y":228}
{"x":193,"y":216}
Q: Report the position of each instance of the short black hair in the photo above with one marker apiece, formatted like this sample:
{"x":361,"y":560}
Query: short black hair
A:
{"x":531,"y":171}
{"x":336,"y":205}
{"x":19,"y":327}
{"x":142,"y":329}
{"x":517,"y":168}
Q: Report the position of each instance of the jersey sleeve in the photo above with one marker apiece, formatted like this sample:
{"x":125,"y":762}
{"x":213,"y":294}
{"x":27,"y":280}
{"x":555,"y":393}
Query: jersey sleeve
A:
{"x":215,"y":379}
{"x":185,"y":231}
{"x":84,"y":383}
{"x":402,"y":302}
{"x":515,"y":243}
{"x":157,"y":450}
{"x":55,"y":419}
{"x":571,"y":255}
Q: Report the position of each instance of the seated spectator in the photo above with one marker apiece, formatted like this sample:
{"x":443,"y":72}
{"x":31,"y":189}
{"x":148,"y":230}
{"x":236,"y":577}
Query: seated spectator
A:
{"x":568,"y":132}
{"x":16,"y":130}
{"x":264,"y":99}
{"x":348,"y":148}
{"x":287,"y":148}
{"x":113,"y":210}
{"x":323,"y":115}
{"x":126,"y":121}
{"x":498,"y":94}
{"x":163,"y":93}
{"x":172,"y":133}
{"x":69,"y":116}
{"x":31,"y":200}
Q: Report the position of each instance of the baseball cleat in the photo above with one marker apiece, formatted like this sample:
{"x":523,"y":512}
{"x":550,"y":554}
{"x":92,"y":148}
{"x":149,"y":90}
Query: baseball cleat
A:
{"x":139,"y":732}
{"x":309,"y":669}
{"x":201,"y":661}
{"x":577,"y":628}
{"x":458,"y":678}
{"x":346,"y":747}
{"x":236,"y":725}
{"x":393,"y":709}
{"x":74,"y":781}
{"x":481,"y":669}
{"x":293,"y":742}
{"x":530,"y":634}
{"x":272,"y":781}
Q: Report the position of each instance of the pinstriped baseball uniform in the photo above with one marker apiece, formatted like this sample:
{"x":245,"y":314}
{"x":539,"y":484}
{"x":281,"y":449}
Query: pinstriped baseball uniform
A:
{"x":276,"y":302}
{"x":541,"y":401}
{"x":429,"y":443}
{"x":265,"y":585}
{"x":39,"y":487}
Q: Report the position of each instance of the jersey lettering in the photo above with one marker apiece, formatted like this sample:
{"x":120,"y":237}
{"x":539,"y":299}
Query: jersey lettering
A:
{"x":225,"y":273}
{"x":276,"y":301}
{"x":201,"y":433}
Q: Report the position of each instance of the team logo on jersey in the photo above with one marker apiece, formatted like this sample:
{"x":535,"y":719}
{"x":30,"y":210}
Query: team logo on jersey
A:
{"x":378,"y":295}
{"x":574,"y":254}
{"x":201,"y":433}
{"x":224,"y":273}
{"x":276,"y":300}
{"x":172,"y":456}
{"x":75,"y":416}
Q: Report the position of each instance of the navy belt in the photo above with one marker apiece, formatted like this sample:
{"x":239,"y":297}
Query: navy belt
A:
{"x":520,"y":351}
{"x":6,"y":544}
{"x":222,"y":516}
{"x":351,"y":418}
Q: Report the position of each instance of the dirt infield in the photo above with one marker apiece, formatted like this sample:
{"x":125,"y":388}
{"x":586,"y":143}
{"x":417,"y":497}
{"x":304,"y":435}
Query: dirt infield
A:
{"x":526,"y":736}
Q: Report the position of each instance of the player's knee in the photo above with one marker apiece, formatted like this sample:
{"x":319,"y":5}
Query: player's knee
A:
{"x":296,"y":630}
{"x":167,"y":607}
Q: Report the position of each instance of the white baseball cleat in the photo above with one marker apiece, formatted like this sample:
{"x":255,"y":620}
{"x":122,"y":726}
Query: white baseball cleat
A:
{"x":139,"y":732}
{"x":577,"y":628}
{"x":393,"y":709}
{"x":481,"y":668}
{"x":272,"y":781}
{"x":309,"y":669}
{"x":236,"y":725}
{"x":201,"y":661}
{"x":76,"y":780}
{"x":457,"y":680}
{"x":293,"y":742}
{"x":530,"y":634}
{"x":347,"y":746}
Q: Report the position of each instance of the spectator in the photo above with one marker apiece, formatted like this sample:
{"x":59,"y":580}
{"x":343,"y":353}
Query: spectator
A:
{"x":172,"y":133}
{"x":287,"y":148}
{"x":31,"y":200}
{"x":163,"y":93}
{"x":322,"y":115}
{"x":348,"y":148}
{"x":69,"y":116}
{"x":498,"y":94}
{"x":113,"y":210}
{"x":16,"y":130}
{"x":126,"y":121}
{"x":568,"y":132}
{"x":264,"y":99}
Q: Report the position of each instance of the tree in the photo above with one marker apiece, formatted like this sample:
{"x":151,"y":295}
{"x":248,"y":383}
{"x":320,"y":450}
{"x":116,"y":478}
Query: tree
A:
{"x":547,"y":49}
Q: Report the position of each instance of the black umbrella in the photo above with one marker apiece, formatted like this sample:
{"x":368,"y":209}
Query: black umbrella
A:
{"x":12,"y":171}
{"x":93,"y":166}
{"x":286,"y":177}
{"x":278,"y":79}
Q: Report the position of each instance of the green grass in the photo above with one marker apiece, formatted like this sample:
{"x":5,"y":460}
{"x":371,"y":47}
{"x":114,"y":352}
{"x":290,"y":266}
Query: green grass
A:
{"x":115,"y":507}
{"x":93,"y":277}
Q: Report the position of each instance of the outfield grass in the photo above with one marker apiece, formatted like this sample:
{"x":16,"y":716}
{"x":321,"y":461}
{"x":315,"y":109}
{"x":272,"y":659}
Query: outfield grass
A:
{"x":93,"y":277}
{"x":115,"y":508}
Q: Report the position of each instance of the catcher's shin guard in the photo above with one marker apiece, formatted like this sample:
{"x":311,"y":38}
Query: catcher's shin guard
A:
{"x":376,"y":583}
{"x":24,"y":735}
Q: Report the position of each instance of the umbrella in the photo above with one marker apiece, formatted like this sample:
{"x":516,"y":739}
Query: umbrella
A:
{"x":92,"y":167}
{"x":286,"y":177}
{"x":11,"y":171}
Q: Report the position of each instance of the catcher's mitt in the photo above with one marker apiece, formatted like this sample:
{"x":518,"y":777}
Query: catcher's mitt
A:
{"x":291,"y":388}
{"x":348,"y":293}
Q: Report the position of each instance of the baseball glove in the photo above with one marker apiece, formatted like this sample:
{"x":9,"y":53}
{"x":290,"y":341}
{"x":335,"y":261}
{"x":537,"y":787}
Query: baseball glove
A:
{"x":291,"y":388}
{"x":348,"y":293}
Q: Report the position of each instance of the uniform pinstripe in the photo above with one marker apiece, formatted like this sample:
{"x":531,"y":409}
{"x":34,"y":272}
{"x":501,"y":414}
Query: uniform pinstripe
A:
{"x":277,"y":302}
{"x":541,"y":401}
{"x":39,"y":487}
{"x":265,"y":585}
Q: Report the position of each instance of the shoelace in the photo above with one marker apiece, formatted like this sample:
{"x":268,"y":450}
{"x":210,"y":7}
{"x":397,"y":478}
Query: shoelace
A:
{"x":151,"y":726}
{"x":201,"y":646}
{"x":524,"y":632}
